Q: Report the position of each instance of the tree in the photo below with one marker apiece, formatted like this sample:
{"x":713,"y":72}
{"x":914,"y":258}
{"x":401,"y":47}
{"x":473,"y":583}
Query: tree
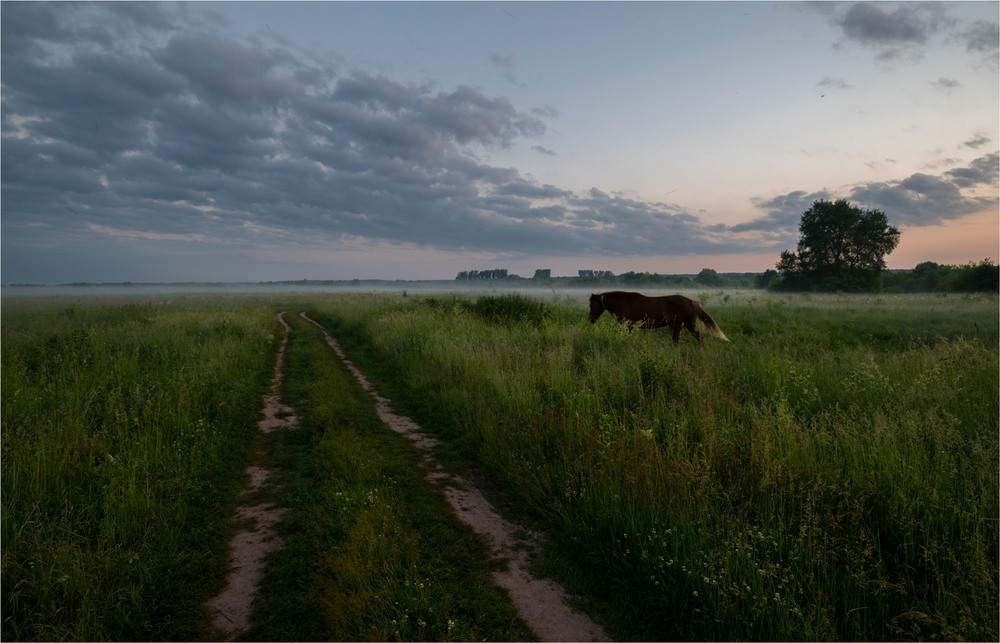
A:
{"x":766,"y":279}
{"x":929,"y":277}
{"x":497,"y":273}
{"x":978,"y":277}
{"x":710,"y":278}
{"x":595,"y":274}
{"x":841,"y":247}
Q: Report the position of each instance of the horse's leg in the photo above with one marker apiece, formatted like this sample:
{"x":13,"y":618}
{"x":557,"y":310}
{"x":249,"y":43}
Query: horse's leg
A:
{"x":675,"y":332}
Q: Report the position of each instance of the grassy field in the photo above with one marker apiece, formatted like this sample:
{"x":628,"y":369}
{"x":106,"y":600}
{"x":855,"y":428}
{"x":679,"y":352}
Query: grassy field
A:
{"x":125,"y":431}
{"x":127,"y":425}
{"x":832,"y":473}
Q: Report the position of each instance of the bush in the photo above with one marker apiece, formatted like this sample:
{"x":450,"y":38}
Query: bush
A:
{"x":512,"y":308}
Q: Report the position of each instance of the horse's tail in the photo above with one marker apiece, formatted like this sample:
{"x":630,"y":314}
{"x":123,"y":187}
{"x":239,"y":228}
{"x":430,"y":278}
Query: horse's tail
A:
{"x":710,"y":325}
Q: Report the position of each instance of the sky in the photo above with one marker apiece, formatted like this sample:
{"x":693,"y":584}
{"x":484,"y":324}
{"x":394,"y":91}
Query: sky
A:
{"x":268,"y":141}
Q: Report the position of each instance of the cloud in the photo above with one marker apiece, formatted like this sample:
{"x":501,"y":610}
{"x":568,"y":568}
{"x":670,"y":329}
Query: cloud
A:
{"x":871,"y":24}
{"x":834,"y":83}
{"x":783,"y":214}
{"x":979,"y":140}
{"x":168,"y":132}
{"x":924,"y":199}
{"x":140,"y":126}
{"x":218,"y":69}
{"x":946,"y":84}
{"x":507,"y":67}
{"x":543,"y":150}
{"x":983,"y":37}
{"x":155,"y":236}
{"x":982,"y":171}
{"x":897,"y":30}
{"x":919,"y":199}
{"x":879,"y":164}
{"x":142,"y":14}
{"x":533,"y":191}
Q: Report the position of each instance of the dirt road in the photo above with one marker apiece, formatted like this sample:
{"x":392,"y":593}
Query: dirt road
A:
{"x":541,"y":603}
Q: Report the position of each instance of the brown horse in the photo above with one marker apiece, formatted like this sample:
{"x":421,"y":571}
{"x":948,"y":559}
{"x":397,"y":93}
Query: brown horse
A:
{"x":676,"y":311}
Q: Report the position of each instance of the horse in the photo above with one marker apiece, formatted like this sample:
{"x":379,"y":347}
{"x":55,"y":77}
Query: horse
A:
{"x":676,"y":311}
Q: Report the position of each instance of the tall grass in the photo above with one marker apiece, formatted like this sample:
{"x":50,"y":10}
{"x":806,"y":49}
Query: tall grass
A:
{"x":125,"y":426}
{"x":830,"y":474}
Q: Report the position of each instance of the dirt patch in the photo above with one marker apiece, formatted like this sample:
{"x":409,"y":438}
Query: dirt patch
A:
{"x":540,"y":602}
{"x":276,"y":414}
{"x":231,"y":608}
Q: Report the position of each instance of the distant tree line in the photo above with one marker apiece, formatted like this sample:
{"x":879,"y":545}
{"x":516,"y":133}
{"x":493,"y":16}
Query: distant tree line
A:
{"x":928,"y":276}
{"x":485,"y":275}
{"x":931,"y":277}
{"x":707,"y":278}
{"x":595,"y":274}
{"x":842,"y":248}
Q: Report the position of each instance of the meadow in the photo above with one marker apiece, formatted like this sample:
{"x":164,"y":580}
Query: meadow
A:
{"x":829,"y":474}
{"x":126,"y":425}
{"x":832,"y":473}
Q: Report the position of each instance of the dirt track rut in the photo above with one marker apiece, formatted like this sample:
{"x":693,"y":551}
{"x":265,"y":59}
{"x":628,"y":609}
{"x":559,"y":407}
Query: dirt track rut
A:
{"x":231,"y":608}
{"x":541,"y":603}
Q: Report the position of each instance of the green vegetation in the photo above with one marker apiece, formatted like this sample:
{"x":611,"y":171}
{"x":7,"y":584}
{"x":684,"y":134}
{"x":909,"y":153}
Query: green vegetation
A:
{"x":931,"y":277}
{"x":372,"y":551}
{"x":830,"y":474}
{"x":498,"y":309}
{"x":125,"y":426}
{"x":982,"y":276}
{"x":842,"y":247}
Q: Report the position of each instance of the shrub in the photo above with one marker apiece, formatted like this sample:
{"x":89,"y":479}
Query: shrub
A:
{"x":513,"y":308}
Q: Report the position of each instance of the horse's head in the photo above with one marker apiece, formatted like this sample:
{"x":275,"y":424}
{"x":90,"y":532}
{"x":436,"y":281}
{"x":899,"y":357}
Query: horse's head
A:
{"x":596,"y":307}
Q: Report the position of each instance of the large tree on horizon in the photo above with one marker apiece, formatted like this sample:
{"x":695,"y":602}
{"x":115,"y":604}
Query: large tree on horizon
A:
{"x":841,"y":247}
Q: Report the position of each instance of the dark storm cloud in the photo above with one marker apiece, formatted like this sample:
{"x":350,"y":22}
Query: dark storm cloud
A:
{"x":128,"y":120}
{"x":919,"y":199}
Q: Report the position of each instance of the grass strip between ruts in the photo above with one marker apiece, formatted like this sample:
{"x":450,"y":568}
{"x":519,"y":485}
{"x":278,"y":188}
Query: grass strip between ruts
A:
{"x":372,"y":550}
